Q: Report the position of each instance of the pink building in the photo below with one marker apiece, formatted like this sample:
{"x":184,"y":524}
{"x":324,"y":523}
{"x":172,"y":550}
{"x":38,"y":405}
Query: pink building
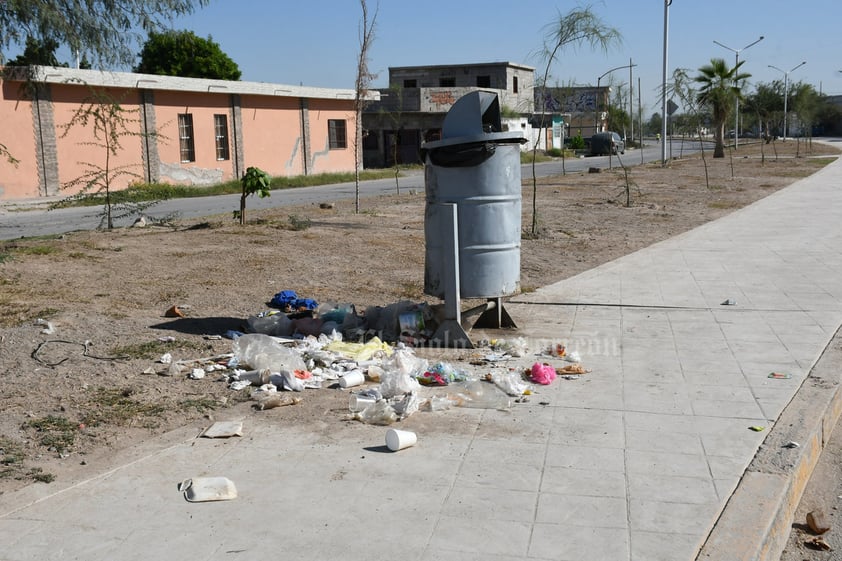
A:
{"x":180,"y":130}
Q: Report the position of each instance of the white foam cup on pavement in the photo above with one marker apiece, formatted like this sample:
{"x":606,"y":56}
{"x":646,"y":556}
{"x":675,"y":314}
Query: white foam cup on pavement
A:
{"x":359,"y":402}
{"x":400,"y":439}
{"x":351,"y":379}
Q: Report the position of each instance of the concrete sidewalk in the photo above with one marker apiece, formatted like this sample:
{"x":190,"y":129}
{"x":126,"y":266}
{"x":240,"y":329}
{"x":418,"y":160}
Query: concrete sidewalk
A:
{"x":635,"y":460}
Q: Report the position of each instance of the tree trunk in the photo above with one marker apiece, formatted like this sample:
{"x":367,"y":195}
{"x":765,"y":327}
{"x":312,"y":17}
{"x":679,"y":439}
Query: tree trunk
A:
{"x":719,"y":140}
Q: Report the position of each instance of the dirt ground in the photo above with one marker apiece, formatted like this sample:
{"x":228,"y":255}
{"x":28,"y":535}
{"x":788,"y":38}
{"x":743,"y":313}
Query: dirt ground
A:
{"x":73,"y":397}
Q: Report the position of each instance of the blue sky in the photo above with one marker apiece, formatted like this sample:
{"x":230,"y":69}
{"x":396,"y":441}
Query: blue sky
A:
{"x":316,"y":43}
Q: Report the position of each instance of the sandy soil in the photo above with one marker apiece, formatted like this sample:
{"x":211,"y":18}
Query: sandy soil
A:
{"x":72,"y":398}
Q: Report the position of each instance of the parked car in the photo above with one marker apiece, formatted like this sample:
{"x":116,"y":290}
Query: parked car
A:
{"x":607,"y":143}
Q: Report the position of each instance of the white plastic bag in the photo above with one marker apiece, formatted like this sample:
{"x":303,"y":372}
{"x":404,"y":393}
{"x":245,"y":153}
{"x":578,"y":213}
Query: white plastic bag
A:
{"x":378,"y":413}
{"x":395,"y":382}
{"x":262,"y":351}
{"x":516,"y":347}
{"x":511,"y":382}
{"x":406,"y":405}
{"x":286,"y":380}
{"x":405,"y":362}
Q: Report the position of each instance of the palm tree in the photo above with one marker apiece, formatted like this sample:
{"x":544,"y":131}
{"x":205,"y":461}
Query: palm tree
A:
{"x":719,"y":91}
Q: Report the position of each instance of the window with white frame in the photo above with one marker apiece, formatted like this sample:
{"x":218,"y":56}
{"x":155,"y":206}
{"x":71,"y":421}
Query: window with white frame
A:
{"x":220,"y":131}
{"x":185,"y":137}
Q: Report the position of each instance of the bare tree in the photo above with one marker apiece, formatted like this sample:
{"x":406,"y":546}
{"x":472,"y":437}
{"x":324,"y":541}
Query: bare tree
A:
{"x":577,"y":27}
{"x":681,"y":86}
{"x":395,"y":116}
{"x":109,"y":123}
{"x":107,"y":30}
{"x":363,"y":81}
{"x":4,"y":153}
{"x":806,"y":102}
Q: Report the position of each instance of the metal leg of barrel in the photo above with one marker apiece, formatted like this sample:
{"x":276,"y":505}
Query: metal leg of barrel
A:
{"x":450,"y":332}
{"x":492,"y":315}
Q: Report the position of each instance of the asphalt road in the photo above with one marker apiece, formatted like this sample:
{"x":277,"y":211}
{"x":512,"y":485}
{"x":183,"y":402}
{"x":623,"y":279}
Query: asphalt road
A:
{"x":15,"y":222}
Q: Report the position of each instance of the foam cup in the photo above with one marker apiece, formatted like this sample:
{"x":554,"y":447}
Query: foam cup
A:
{"x":400,"y":439}
{"x":351,"y":379}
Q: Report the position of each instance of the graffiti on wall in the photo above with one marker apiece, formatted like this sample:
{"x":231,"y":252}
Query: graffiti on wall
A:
{"x":578,"y":102}
{"x":570,"y":101}
{"x":444,"y":97}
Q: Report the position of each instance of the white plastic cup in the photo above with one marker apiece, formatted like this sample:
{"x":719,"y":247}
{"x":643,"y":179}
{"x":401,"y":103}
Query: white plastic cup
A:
{"x":359,"y":402}
{"x":400,"y":439}
{"x":256,"y":377}
{"x":351,"y":379}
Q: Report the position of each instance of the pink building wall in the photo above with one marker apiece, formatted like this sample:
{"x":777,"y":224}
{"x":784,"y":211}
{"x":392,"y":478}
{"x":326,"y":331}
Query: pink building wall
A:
{"x":81,"y":152}
{"x":202,"y":106}
{"x":17,"y":181}
{"x":272,"y":137}
{"x":328,"y":160}
{"x":282,"y":130}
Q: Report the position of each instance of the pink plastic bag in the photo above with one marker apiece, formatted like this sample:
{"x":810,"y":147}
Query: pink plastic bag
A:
{"x":543,"y":373}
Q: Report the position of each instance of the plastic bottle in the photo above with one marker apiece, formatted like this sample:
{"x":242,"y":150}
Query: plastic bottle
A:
{"x":480,"y":395}
{"x":278,"y":325}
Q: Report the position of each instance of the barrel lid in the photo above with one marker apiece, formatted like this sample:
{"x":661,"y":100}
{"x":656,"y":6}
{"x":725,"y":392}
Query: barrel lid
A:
{"x":496,"y":137}
{"x":475,"y":117}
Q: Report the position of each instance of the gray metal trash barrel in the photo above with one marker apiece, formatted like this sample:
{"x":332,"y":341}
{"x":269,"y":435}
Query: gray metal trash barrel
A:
{"x":477,"y":168}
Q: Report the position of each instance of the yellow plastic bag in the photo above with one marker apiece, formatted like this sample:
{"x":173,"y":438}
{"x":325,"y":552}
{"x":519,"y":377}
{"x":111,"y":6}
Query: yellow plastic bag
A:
{"x":360,"y":351}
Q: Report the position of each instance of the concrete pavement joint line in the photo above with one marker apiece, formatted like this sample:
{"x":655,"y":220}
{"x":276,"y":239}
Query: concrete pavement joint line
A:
{"x":453,"y":481}
{"x":540,"y":488}
{"x":626,"y":478}
{"x":659,"y":307}
{"x":743,"y":373}
{"x":231,"y":445}
{"x":754,"y":524}
{"x":101,"y":475}
{"x":684,"y":376}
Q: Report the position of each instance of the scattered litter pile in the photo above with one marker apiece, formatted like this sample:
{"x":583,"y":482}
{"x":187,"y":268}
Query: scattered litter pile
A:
{"x":386,"y":382}
{"x":397,"y":383}
{"x":291,"y":316}
{"x":301,"y":344}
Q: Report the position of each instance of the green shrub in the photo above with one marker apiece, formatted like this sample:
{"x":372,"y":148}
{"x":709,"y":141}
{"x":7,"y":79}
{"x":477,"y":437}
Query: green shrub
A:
{"x":577,"y":142}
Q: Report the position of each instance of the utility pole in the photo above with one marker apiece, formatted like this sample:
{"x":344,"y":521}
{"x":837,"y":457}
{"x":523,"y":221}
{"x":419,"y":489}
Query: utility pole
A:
{"x":786,"y":88}
{"x":664,"y":85}
{"x":737,"y":109}
{"x":631,"y":102}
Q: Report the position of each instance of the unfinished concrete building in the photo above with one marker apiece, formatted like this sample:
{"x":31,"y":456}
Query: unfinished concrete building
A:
{"x":412,"y":108}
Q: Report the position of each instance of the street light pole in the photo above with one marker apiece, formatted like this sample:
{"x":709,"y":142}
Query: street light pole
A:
{"x":786,"y":87}
{"x":737,"y":109}
{"x":598,"y":80}
{"x":664,"y":86}
{"x":631,"y":106}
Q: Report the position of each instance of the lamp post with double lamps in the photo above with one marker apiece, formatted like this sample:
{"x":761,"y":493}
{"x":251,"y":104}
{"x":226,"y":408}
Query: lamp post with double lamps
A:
{"x":786,"y":87}
{"x":736,"y":63}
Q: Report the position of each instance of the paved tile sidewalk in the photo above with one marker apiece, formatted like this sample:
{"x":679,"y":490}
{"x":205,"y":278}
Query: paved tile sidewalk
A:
{"x":634,"y":460}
